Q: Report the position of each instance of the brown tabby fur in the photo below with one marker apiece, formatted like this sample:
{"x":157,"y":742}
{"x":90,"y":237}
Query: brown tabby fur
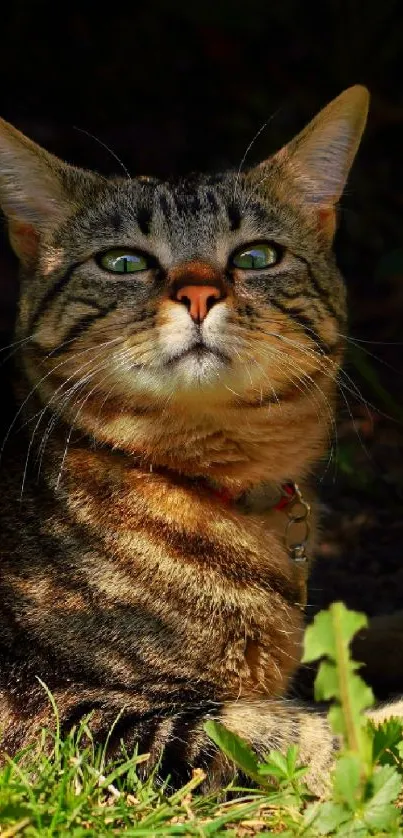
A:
{"x":128,"y":585}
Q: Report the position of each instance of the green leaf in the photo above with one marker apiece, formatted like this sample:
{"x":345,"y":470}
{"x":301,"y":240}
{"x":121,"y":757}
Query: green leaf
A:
{"x":347,"y":780}
{"x":234,"y":748}
{"x":292,"y":757}
{"x":327,"y":681}
{"x":356,"y":696}
{"x":355,"y":736}
{"x":275,"y":764}
{"x":387,"y":745}
{"x":329,"y":636}
{"x":320,"y":636}
{"x":385,"y":787}
{"x":329,"y":817}
{"x":353,"y":829}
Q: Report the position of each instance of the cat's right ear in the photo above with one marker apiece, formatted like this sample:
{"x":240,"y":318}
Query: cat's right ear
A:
{"x":33,"y":190}
{"x":319,"y":159}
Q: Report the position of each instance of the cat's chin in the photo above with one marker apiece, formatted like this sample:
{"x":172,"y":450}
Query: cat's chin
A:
{"x":197,"y":367}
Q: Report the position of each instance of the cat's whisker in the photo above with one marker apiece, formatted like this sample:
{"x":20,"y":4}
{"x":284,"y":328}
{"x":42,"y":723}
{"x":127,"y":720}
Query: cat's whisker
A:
{"x":106,"y":147}
{"x":65,"y":381}
{"x":372,"y":342}
{"x":331,"y":458}
{"x":248,"y":148}
{"x":15,"y":343}
{"x":332,"y":432}
{"x":67,"y":396}
{"x":69,"y":435}
{"x":53,"y":420}
{"x":247,"y":369}
{"x":60,"y":408}
{"x":65,"y":343}
{"x":108,"y":395}
{"x":301,"y":384}
{"x":318,"y":405}
{"x":249,"y":375}
{"x":54,"y":417}
{"x":15,"y":347}
{"x":231,"y":390}
{"x":316,"y":340}
{"x":357,"y":345}
{"x":339,"y":373}
{"x":285,"y":360}
{"x":252,"y":191}
{"x":324,"y":400}
{"x":254,"y":361}
{"x":61,"y":346}
{"x":321,"y":365}
{"x":325,"y":364}
{"x":341,"y":385}
{"x":44,"y":378}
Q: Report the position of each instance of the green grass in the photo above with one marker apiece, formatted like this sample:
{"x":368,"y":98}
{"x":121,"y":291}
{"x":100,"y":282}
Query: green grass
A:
{"x":66,"y":787}
{"x":71,"y":792}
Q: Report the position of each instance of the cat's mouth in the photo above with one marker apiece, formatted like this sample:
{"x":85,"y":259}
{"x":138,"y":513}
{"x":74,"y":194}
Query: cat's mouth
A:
{"x":199,"y":352}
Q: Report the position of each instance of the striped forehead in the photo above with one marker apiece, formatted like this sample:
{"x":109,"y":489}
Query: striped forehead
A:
{"x":189,"y":215}
{"x":190,"y":201}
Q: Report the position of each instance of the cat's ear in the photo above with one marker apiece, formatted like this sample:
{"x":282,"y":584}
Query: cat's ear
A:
{"x":320,"y":157}
{"x":33,"y":190}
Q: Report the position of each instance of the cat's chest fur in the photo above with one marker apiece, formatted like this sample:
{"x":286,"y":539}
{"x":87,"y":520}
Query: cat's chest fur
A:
{"x":128,"y":575}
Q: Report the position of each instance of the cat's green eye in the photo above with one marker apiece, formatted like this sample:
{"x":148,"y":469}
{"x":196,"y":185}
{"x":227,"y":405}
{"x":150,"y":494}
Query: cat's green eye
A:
{"x":256,"y":257}
{"x":120,"y":261}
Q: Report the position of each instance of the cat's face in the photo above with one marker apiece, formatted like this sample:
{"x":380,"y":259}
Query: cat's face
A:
{"x":205,"y":286}
{"x":213,"y":290}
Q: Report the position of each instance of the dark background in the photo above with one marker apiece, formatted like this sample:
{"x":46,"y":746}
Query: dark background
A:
{"x":172,"y":87}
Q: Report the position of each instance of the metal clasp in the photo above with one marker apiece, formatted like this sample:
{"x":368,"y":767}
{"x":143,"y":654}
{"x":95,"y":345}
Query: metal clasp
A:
{"x":297,"y":531}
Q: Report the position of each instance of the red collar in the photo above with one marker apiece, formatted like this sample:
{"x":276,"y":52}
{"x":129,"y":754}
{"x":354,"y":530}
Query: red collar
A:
{"x":286,"y":493}
{"x":288,"y":490}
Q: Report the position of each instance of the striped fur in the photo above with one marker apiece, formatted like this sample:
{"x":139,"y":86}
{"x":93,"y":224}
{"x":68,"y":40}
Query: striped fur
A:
{"x":127,"y":585}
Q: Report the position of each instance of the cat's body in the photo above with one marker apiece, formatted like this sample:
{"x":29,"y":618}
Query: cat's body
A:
{"x":144,"y":561}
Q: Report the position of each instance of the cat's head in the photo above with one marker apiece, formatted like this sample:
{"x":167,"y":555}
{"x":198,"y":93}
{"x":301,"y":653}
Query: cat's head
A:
{"x":210,"y":290}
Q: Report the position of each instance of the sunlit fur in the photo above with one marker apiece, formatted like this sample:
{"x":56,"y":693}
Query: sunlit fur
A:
{"x":128,"y":586}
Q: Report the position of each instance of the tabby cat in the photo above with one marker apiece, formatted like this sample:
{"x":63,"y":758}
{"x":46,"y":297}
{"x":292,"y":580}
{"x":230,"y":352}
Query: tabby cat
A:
{"x":177,"y":352}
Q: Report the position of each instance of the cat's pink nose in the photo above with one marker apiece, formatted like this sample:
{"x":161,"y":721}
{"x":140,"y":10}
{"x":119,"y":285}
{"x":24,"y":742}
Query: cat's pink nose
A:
{"x":199,"y":299}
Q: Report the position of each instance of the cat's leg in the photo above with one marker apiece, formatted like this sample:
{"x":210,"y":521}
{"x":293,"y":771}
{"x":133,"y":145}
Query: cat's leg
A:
{"x":268,"y":725}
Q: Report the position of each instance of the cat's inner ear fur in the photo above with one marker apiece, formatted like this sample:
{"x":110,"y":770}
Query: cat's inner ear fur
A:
{"x":34,"y":193}
{"x":320,"y":157}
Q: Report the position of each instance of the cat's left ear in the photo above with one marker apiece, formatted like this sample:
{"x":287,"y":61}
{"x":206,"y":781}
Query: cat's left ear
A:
{"x":320,"y":157}
{"x":37,"y":190}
